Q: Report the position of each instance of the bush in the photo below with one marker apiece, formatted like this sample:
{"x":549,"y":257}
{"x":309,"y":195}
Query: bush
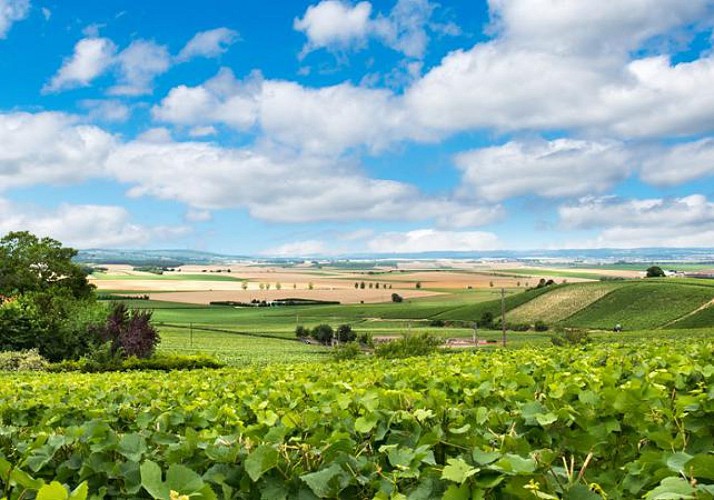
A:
{"x":159,"y":362}
{"x":345,"y":333}
{"x":323,"y":333}
{"x":301,"y":332}
{"x":486,"y":320}
{"x":540,"y":326}
{"x":655,"y":272}
{"x":365,"y":339}
{"x":129,"y":332}
{"x":437,"y":323}
{"x":396,"y":297}
{"x":420,"y":344}
{"x":346,"y":351}
{"x":570,"y":337}
{"x":29,"y":360}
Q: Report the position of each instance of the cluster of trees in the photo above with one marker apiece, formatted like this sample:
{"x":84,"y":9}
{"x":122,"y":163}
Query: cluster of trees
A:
{"x":324,"y":333}
{"x":371,"y":284}
{"x":46,"y":303}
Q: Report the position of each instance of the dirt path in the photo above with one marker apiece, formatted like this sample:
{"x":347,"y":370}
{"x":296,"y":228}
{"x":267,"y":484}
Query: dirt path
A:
{"x":700,"y":308}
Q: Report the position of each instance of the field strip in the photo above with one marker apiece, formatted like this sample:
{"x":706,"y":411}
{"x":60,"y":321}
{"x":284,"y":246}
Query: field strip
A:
{"x":559,"y":304}
{"x":692,"y":313}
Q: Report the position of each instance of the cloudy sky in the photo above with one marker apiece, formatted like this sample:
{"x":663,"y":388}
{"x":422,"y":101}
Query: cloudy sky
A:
{"x":334,"y":126}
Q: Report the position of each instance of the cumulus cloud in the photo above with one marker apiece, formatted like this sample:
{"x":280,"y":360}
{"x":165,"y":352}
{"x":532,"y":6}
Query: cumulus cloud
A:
{"x":334,"y":23}
{"x":106,"y":110}
{"x":12,"y":11}
{"x":656,"y":222}
{"x":337,"y":25}
{"x":431,"y":240}
{"x":680,"y":163}
{"x":50,"y":148}
{"x":211,"y":43}
{"x":138,"y":65}
{"x":592,"y":26}
{"x":91,"y":58}
{"x":559,"y":168}
{"x":83,"y":226}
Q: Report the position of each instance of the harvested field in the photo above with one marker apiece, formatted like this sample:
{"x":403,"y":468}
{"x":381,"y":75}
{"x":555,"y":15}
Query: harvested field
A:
{"x":560,"y":303}
{"x":344,"y":296}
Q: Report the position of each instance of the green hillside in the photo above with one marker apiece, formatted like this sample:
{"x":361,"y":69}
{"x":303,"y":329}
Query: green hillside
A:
{"x":639,"y":305}
{"x":561,"y":302}
{"x":700,"y":319}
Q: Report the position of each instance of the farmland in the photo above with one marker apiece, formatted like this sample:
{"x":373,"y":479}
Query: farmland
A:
{"x":626,"y":419}
{"x":627,"y":415}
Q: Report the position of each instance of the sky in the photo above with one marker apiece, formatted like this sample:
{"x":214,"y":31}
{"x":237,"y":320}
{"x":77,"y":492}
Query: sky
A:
{"x":301,"y":128}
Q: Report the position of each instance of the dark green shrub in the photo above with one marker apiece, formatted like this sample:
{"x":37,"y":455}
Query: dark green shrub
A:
{"x":345,"y":333}
{"x":655,"y":272}
{"x":301,"y":332}
{"x":540,"y":326}
{"x":365,"y":339}
{"x":397,"y":298}
{"x":323,"y":333}
{"x":437,"y":323}
{"x":420,"y":344}
{"x":159,"y":362}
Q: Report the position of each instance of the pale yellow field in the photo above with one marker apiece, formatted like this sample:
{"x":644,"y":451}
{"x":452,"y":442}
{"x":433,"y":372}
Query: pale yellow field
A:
{"x":559,"y":304}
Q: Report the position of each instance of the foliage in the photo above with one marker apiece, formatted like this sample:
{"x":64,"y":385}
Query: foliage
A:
{"x":345,"y":333}
{"x":323,"y":333}
{"x":417,"y":344}
{"x":346,"y":351}
{"x":52,"y":321}
{"x":158,"y":362}
{"x":627,"y":421}
{"x":397,"y":298}
{"x":540,"y":326}
{"x":570,"y":336}
{"x":654,"y":272}
{"x":129,"y":332}
{"x":301,"y":332}
{"x":29,"y":360}
{"x":32,"y":264}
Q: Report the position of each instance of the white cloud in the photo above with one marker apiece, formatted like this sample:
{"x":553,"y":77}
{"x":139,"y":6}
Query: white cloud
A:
{"x":83,"y":226}
{"x":106,"y":110}
{"x":211,"y":43}
{"x":91,"y":58}
{"x":138,"y":65}
{"x":430,"y":240}
{"x":680,"y":163}
{"x":12,"y":11}
{"x":222,"y":99}
{"x":678,"y":222}
{"x":49,"y":148}
{"x":204,"y":131}
{"x":194,"y":215}
{"x":559,"y":168}
{"x":334,"y":23}
{"x":305,"y":248}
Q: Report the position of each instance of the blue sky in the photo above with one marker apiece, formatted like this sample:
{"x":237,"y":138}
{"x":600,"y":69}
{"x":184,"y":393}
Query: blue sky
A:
{"x":330,"y":127}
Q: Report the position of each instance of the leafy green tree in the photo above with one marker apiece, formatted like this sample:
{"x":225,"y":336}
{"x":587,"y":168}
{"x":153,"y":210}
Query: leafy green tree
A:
{"x":32,"y":264}
{"x":655,"y":272}
{"x":345,"y":333}
{"x":396,"y":297}
{"x":323,"y":333}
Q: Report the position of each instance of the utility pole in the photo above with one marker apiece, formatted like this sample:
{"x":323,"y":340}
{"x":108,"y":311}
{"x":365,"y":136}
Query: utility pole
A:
{"x":503,"y":314}
{"x":475,"y":333}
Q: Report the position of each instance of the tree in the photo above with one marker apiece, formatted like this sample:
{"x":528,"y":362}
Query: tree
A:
{"x":301,"y":332}
{"x":346,"y":334}
{"x":32,"y":264}
{"x":396,"y":297}
{"x":418,"y":285}
{"x":129,"y":332}
{"x":655,"y":272}
{"x":361,"y":285}
{"x":323,"y":333}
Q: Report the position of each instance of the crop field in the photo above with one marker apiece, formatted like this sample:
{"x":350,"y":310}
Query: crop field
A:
{"x":642,"y":305}
{"x":616,"y":420}
{"x":561,"y":303}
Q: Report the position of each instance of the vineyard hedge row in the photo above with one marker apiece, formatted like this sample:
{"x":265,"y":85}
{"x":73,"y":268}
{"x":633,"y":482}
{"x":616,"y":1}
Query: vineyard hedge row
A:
{"x":626,"y":421}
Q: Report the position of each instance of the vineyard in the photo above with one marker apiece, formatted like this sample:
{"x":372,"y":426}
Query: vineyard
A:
{"x":599,"y":421}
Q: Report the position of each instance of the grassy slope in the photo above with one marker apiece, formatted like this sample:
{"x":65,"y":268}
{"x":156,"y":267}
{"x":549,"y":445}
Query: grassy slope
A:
{"x":640,"y":305}
{"x":562,"y":302}
{"x":700,"y":319}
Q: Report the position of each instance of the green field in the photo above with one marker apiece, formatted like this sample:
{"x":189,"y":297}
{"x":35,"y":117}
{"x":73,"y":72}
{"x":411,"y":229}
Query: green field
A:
{"x":555,"y":272}
{"x":633,"y":419}
{"x":642,"y":305}
{"x":98,"y":275}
